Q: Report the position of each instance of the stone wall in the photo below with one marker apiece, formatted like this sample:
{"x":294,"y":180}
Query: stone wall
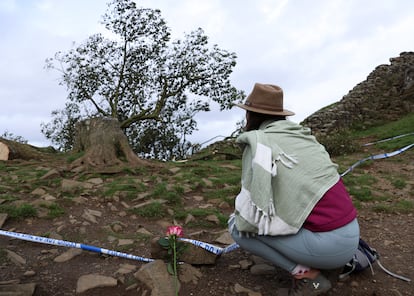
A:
{"x":386,"y":95}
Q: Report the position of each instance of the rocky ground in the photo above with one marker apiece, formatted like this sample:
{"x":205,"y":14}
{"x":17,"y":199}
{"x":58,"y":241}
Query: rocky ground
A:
{"x":105,"y":222}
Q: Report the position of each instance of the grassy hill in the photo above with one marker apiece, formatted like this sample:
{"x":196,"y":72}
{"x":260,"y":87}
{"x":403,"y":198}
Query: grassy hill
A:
{"x":136,"y":203}
{"x":214,"y":177}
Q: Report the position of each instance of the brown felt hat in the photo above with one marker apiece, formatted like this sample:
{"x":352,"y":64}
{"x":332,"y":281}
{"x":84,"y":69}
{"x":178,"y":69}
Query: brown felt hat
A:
{"x":266,"y":99}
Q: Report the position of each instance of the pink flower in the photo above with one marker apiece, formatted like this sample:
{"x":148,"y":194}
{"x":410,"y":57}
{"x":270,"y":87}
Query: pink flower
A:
{"x":175,"y":230}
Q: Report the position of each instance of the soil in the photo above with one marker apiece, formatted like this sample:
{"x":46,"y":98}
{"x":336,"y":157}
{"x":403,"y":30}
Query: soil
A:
{"x":390,"y":233}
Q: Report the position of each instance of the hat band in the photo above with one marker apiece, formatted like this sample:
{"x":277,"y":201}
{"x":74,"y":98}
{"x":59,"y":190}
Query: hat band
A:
{"x":264,"y":107}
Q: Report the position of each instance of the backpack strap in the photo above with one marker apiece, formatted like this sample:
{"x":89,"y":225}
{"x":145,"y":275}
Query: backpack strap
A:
{"x":393,"y":274}
{"x":364,"y":257}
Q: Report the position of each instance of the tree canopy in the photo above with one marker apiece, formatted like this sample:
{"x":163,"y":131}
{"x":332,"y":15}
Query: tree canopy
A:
{"x":152,"y":85}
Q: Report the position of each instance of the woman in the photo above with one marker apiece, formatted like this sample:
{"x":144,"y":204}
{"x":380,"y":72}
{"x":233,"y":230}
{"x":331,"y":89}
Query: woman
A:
{"x":293,"y":208}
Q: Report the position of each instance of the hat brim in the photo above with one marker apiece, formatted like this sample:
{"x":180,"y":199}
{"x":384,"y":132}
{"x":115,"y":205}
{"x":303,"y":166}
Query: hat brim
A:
{"x":264,"y":111}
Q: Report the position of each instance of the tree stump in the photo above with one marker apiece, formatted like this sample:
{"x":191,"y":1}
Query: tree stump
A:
{"x":104,"y":144}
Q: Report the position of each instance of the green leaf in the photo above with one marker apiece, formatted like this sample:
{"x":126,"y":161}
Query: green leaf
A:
{"x":163,"y":242}
{"x":170,"y":268}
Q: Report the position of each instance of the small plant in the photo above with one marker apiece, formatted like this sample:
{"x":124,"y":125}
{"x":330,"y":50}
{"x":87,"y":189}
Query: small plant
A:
{"x":399,"y":183}
{"x":152,"y":210}
{"x":175,"y":248}
{"x":361,"y":193}
{"x":74,"y":156}
{"x":22,"y":211}
{"x":55,"y":211}
{"x":160,"y":190}
{"x":339,"y":143}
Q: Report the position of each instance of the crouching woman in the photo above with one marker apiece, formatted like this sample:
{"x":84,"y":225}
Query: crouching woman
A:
{"x":293,"y":208}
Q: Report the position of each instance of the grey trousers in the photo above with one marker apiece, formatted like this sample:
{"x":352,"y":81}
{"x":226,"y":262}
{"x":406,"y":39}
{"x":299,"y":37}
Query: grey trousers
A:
{"x":319,"y":250}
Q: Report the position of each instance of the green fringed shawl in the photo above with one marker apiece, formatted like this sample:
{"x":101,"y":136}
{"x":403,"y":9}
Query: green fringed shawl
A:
{"x":285,"y":173}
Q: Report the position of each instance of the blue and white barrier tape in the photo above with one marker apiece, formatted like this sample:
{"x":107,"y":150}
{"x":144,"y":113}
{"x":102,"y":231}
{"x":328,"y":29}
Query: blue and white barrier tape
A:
{"x":388,"y":139}
{"x":378,"y":156}
{"x":50,"y":241}
{"x":62,"y":243}
{"x":211,"y":248}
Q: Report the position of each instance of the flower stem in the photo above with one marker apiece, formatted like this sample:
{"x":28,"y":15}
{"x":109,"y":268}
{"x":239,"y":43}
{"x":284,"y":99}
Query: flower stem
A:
{"x":175,"y":266}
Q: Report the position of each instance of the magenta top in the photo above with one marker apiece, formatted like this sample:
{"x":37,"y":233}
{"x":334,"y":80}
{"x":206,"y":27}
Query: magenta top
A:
{"x":335,"y":209}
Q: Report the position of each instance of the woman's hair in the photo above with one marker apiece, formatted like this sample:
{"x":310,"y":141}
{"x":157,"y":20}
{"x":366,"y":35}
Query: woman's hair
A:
{"x":254,"y":119}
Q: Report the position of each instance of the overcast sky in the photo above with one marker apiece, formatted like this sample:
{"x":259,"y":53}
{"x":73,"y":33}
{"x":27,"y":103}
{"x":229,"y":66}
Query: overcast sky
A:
{"x":316,"y":50}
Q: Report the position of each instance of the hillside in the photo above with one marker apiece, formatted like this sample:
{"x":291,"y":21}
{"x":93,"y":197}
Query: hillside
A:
{"x":387,"y":94}
{"x":123,"y":209}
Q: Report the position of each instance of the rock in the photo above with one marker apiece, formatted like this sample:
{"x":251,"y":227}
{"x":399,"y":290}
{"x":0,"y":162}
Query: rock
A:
{"x":259,"y":260}
{"x":80,"y":200}
{"x":208,"y":182}
{"x":225,"y":239}
{"x":72,"y":186}
{"x":38,"y":191}
{"x":213,"y":218}
{"x":188,"y":273}
{"x":94,"y":212}
{"x":126,"y":268}
{"x":116,"y":228}
{"x":198,"y":198}
{"x":125,"y":205}
{"x":240,"y":289}
{"x":131,"y":287}
{"x":156,"y":277}
{"x":174,"y":170}
{"x":48,"y":197}
{"x":68,"y":255}
{"x":90,"y":215}
{"x":55,"y":235}
{"x":142,"y":230}
{"x":95,"y":181}
{"x":260,"y":269}
{"x":3,"y":218}
{"x":385,"y":88}
{"x":15,"y":258}
{"x":53,"y":173}
{"x":189,"y":218}
{"x":245,"y":264}
{"x":125,"y":242}
{"x":91,"y":281}
{"x":18,"y":289}
{"x":111,"y":238}
{"x":29,"y":273}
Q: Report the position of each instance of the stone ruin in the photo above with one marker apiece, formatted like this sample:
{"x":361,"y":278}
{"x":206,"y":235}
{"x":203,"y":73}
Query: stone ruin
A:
{"x":386,"y":95}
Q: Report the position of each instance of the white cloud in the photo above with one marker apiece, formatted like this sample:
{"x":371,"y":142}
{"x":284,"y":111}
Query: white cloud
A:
{"x":315,"y":50}
{"x":271,"y":9}
{"x":8,"y":5}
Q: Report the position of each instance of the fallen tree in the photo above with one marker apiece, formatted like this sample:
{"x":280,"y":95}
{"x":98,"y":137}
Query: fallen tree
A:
{"x":10,"y":150}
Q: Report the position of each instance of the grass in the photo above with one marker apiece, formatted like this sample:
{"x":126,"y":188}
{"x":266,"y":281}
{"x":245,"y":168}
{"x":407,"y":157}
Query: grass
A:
{"x":127,"y":185}
{"x":55,"y":211}
{"x":402,"y":206}
{"x":153,"y":210}
{"x":398,"y":183}
{"x":19,"y":212}
{"x":405,"y":125}
{"x":71,"y":157}
{"x":216,"y":181}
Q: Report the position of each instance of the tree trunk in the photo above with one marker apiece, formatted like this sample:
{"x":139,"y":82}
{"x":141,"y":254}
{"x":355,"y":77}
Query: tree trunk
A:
{"x":14,"y":150}
{"x":104,"y":144}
